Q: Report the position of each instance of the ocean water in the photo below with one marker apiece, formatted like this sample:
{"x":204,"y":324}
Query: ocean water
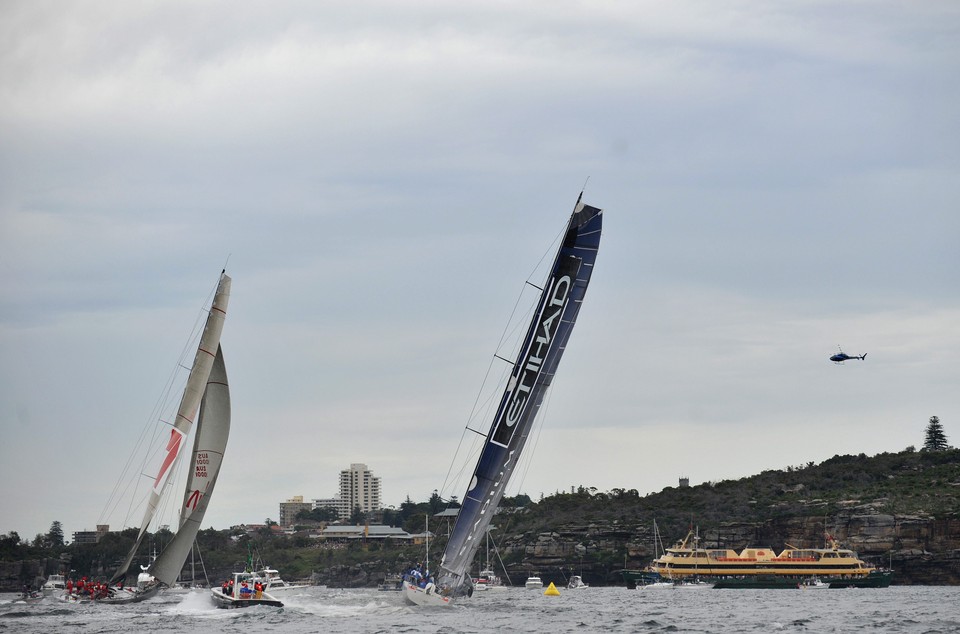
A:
{"x":895,"y":609}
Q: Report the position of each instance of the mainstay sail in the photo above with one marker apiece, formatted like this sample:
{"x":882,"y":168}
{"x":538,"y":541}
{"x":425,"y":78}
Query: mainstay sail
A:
{"x":186,"y":413}
{"x":532,"y":374}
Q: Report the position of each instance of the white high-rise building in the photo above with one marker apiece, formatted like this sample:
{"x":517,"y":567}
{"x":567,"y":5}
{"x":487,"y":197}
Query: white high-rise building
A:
{"x":358,"y":488}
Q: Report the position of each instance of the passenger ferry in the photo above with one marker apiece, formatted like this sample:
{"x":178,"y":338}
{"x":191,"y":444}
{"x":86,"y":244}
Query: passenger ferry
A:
{"x":686,"y":559}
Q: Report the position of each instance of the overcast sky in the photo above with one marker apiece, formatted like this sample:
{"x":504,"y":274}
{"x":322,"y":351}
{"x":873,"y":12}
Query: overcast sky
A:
{"x":381,"y":178}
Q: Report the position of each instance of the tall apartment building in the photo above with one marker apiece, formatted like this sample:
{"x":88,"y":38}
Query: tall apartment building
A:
{"x":358,"y":487}
{"x":290,"y":508}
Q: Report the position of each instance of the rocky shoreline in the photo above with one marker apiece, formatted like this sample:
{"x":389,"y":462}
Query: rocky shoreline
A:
{"x":922,"y":550}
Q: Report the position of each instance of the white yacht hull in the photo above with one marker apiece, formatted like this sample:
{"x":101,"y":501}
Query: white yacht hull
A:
{"x":424,"y":596}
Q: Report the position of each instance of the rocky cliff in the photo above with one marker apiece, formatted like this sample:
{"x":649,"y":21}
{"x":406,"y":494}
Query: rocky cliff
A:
{"x":920,"y":549}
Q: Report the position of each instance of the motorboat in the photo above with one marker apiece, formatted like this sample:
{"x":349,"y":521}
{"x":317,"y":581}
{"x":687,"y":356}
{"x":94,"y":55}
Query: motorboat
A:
{"x":270,"y":578}
{"x":242,"y":594}
{"x":576,"y":582}
{"x":54,"y":584}
{"x":533,"y":583}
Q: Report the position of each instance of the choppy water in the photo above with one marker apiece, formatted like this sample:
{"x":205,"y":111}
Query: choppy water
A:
{"x":896,"y":609}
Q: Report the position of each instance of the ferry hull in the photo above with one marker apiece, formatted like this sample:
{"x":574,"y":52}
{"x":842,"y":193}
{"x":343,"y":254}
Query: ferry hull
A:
{"x":877,"y":579}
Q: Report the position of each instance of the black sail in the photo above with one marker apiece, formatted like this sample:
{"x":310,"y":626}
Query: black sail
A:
{"x":532,"y":374}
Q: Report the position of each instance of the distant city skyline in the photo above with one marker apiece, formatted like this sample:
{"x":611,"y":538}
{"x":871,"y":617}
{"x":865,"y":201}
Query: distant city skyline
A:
{"x":359,"y":488}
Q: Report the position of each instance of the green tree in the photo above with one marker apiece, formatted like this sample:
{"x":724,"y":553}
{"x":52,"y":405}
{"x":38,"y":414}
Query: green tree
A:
{"x":9,"y":545}
{"x":322,"y":514}
{"x":520,"y":499}
{"x":357,"y":517}
{"x":55,"y":536}
{"x":936,"y":440}
{"x":436,"y":503}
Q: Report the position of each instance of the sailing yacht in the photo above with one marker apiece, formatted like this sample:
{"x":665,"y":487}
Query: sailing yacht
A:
{"x":533,"y":371}
{"x":488,"y":579}
{"x":208,"y":392}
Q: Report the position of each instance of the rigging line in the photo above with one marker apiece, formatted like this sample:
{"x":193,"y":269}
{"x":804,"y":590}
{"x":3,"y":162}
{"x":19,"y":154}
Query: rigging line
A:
{"x":142,"y":444}
{"x":163,"y":402}
{"x":537,"y":428}
{"x":551,"y":248}
{"x":503,"y":337}
{"x":135,"y":482}
{"x":162,"y":512}
{"x":203,"y":567}
{"x":485,"y":412}
{"x":508,"y":330}
{"x":473,"y":409}
{"x":463,"y":434}
{"x":510,"y":333}
{"x":503,"y":566}
{"x":456,"y":478}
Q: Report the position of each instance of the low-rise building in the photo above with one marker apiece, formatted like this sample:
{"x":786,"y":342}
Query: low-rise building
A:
{"x":372,"y":531}
{"x":291,"y":508}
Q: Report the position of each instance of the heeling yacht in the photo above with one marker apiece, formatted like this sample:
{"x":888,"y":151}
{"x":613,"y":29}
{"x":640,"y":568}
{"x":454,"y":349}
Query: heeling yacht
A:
{"x":536,"y":364}
{"x":687,"y":559}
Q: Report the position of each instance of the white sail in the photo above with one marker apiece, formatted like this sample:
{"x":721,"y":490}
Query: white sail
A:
{"x":213,"y":429}
{"x":186,"y":413}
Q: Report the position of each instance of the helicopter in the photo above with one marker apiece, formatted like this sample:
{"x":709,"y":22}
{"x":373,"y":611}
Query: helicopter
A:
{"x":842,"y":356}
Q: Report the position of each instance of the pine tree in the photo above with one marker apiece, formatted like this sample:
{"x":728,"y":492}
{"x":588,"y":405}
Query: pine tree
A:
{"x":55,"y":536}
{"x":936,"y":440}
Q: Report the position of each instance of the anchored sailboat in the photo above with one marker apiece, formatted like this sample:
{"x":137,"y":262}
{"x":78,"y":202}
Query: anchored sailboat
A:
{"x":532,"y":374}
{"x":207,"y":391}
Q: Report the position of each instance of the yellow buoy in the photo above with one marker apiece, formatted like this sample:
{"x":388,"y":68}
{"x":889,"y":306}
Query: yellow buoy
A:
{"x":551,"y":591}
